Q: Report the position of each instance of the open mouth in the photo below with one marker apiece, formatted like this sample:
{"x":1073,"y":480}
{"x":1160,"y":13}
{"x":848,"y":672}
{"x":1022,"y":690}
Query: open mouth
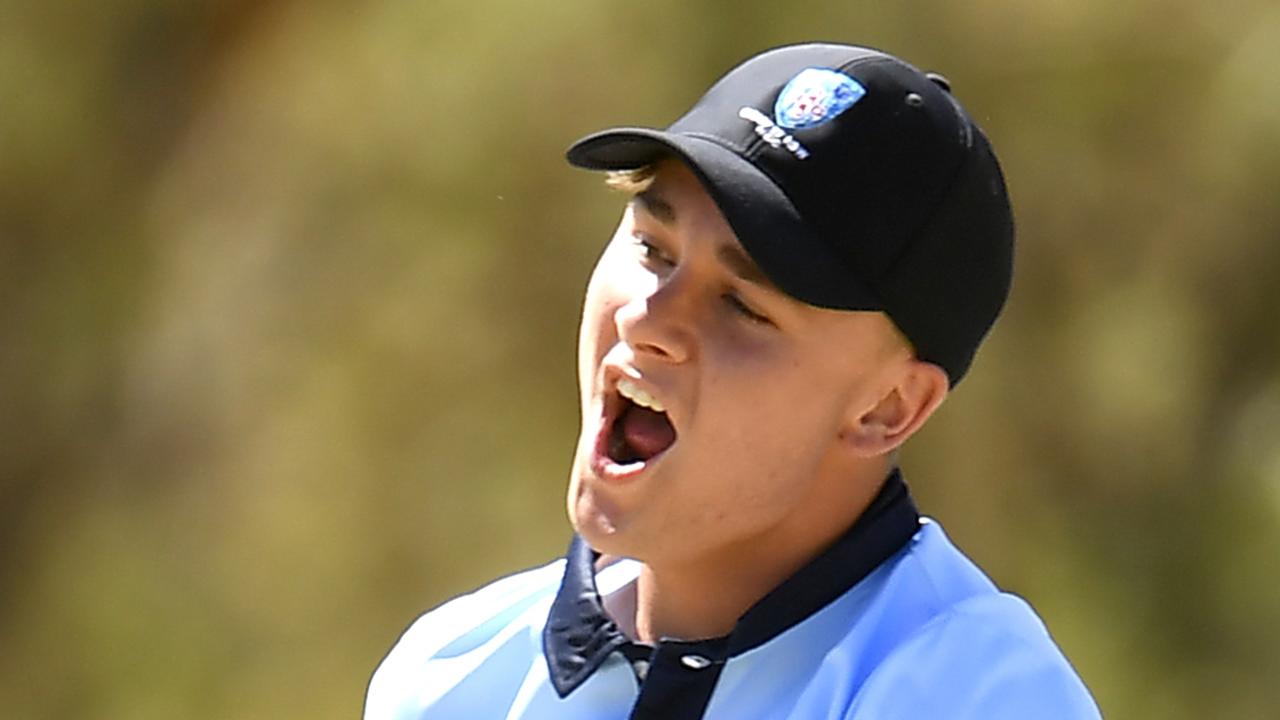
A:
{"x":639,"y":429}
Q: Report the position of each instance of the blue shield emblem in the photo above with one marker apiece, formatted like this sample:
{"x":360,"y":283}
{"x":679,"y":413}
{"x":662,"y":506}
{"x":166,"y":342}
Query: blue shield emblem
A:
{"x":815,"y":96}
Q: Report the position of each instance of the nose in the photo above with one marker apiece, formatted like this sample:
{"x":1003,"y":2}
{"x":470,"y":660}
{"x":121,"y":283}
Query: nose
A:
{"x":660,"y":324}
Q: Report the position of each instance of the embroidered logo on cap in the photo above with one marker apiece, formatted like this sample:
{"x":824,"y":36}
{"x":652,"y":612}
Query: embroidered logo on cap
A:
{"x":815,"y":96}
{"x":771,"y":133}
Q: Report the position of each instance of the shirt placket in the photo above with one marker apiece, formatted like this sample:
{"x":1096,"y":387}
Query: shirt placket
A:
{"x":679,"y":679}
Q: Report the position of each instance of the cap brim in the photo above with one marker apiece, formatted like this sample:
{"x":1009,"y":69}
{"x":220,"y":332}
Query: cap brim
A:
{"x":765,"y":221}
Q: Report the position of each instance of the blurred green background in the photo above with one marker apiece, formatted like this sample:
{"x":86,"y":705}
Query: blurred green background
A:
{"x":289,"y":291}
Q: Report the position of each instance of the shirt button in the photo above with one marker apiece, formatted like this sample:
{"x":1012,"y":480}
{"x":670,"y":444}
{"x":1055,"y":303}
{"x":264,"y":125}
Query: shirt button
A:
{"x":695,"y":662}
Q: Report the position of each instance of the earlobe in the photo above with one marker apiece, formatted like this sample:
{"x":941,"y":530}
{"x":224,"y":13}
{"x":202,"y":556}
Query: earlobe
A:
{"x":900,"y":413}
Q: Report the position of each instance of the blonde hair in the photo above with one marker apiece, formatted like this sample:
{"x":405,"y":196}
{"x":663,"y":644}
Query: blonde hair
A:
{"x":631,"y":182}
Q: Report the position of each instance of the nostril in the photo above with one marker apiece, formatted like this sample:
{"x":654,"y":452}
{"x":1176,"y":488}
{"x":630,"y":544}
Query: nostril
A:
{"x":652,"y":348}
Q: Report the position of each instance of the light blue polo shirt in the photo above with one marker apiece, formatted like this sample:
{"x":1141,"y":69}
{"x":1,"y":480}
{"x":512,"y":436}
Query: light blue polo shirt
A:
{"x":892,"y":622}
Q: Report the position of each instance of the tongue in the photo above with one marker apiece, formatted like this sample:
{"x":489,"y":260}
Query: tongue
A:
{"x":647,"y":432}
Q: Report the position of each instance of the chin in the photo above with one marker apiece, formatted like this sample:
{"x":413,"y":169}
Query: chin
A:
{"x":595,"y":522}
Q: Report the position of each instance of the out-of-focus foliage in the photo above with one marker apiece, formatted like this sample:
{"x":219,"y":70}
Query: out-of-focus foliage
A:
{"x":288,"y":297}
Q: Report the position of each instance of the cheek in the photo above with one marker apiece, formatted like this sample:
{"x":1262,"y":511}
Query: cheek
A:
{"x":774,"y":411}
{"x":617,"y":279}
{"x":598,"y":333}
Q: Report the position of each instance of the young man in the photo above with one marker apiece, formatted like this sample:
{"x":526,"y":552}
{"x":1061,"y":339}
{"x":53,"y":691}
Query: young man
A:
{"x":808,"y":263}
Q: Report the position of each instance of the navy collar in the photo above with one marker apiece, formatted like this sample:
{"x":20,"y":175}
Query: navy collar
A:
{"x":579,"y":634}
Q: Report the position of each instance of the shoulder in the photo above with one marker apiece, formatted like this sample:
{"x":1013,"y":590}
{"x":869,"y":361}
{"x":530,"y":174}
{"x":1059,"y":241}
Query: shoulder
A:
{"x":974,"y":652}
{"x":502,"y":618}
{"x":477,"y":616}
{"x":988,"y":657}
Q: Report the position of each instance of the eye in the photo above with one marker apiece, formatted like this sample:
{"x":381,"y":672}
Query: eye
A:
{"x":650,"y":254}
{"x":743,"y":309}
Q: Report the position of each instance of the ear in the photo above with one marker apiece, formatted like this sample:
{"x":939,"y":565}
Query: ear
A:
{"x":909,"y":402}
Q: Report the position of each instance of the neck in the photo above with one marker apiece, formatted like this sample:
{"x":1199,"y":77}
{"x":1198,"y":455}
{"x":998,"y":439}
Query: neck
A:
{"x":703,"y":596}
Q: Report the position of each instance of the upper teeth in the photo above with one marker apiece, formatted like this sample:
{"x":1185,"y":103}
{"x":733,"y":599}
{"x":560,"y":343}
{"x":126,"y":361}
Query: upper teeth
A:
{"x":632,"y":392}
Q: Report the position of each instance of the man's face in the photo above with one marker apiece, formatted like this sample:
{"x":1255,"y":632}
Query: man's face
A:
{"x":751,"y":390}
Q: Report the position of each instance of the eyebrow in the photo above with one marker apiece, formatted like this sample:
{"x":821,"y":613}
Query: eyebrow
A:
{"x":653,"y":203}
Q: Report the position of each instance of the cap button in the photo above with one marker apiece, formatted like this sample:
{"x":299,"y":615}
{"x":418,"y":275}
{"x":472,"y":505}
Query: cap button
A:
{"x":939,"y":80}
